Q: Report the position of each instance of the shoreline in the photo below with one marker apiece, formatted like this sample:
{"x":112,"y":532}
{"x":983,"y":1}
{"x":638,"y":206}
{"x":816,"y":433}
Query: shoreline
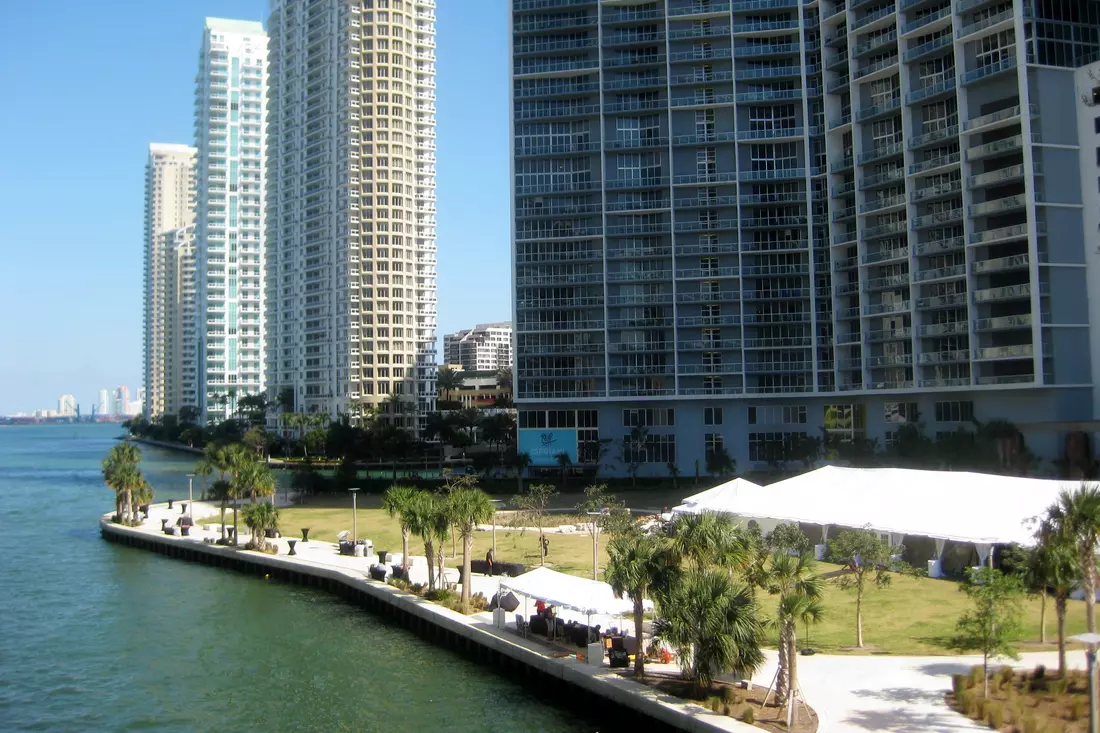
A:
{"x":588,"y":687}
{"x":164,"y":444}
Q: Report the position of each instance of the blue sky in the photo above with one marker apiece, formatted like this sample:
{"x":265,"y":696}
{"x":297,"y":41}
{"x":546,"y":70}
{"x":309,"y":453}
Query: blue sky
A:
{"x":87,"y":85}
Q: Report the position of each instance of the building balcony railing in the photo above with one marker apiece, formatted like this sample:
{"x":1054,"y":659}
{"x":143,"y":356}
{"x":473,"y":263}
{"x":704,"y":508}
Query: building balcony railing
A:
{"x":989,"y":22}
{"x":1016,"y":231}
{"x":699,"y":321}
{"x":933,"y":136}
{"x":926,"y":20}
{"x":931,"y":90}
{"x":937,"y":246}
{"x":884,"y":230}
{"x":946,"y":382}
{"x":936,"y":190}
{"x":997,"y":147}
{"x":941,"y":161}
{"x":885,"y":256}
{"x":640,"y":299}
{"x":1003,"y":116}
{"x":1020,"y":351}
{"x":1005,"y":64}
{"x":940,"y":273}
{"x":718,"y":296}
{"x":1001,"y":175}
{"x":868,"y":69}
{"x":888,"y":334}
{"x":887,"y":39}
{"x":898,"y":306}
{"x":1002,"y":264}
{"x":1008,"y":292}
{"x":944,"y":357}
{"x":708,"y":272}
{"x":876,"y":110}
{"x":880,"y":204}
{"x":709,"y":345}
{"x":888,"y":282}
{"x":943,"y":42}
{"x":723,"y":368}
{"x":639,"y":276}
{"x":882,"y":151}
{"x":757,"y":367}
{"x":890,"y":360}
{"x":943,"y":329}
{"x":998,"y":206}
{"x":1003,"y":323}
{"x":882,"y":179}
{"x":938,"y":218}
{"x":953,"y":300}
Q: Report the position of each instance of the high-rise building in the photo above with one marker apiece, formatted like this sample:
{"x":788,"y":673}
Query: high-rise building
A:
{"x":739,"y":223}
{"x":120,"y":403}
{"x":103,"y":405}
{"x":169,"y":204}
{"x":66,"y":405}
{"x":351,"y":205}
{"x":230,"y":109}
{"x":485,"y":347}
{"x":181,"y":327}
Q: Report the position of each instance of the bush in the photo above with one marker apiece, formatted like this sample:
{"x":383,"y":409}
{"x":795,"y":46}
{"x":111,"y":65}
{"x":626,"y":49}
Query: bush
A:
{"x":478,"y":602}
{"x":958,"y":685}
{"x":963,"y":700}
{"x":726,"y":709}
{"x":1039,"y":673}
{"x":1059,"y":686}
{"x":1079,"y":707}
{"x":976,"y":675}
{"x":748,"y":715}
{"x":995,"y":714}
{"x":440,"y":595}
{"x":1030,"y":724}
{"x":1005,"y":675}
{"x":977,"y":707}
{"x":730,"y":695}
{"x":714,"y":703}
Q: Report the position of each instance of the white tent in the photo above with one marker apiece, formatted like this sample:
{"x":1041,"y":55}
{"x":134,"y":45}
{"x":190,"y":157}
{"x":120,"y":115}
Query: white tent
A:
{"x":590,"y":597}
{"x":976,"y":508}
{"x":714,"y":498}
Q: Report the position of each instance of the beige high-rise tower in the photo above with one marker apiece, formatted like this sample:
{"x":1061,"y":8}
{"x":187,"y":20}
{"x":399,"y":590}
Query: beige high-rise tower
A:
{"x":169,"y":205}
{"x":350,"y":261}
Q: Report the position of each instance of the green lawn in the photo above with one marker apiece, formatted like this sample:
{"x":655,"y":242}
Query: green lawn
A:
{"x":912,"y":616}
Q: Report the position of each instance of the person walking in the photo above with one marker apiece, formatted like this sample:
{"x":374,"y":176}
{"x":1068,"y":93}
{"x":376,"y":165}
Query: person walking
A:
{"x":489,"y":560}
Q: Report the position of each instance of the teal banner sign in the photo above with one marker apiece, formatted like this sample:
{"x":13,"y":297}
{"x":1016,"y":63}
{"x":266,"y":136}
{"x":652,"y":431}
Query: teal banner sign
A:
{"x":544,"y":446}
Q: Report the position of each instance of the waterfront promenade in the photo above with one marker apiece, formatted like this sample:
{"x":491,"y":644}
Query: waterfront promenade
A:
{"x":319,"y":563}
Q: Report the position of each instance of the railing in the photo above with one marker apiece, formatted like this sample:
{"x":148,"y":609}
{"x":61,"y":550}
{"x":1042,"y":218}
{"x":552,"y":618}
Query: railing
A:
{"x":1003,"y":322}
{"x":1010,"y":113}
{"x":928,"y":47}
{"x":893,"y":254}
{"x":1020,"y":351}
{"x":940,"y":273}
{"x":989,"y":69}
{"x":938,"y":189}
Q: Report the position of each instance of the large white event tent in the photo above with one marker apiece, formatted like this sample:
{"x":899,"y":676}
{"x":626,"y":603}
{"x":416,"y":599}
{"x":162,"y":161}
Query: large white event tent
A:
{"x":589,"y":597}
{"x":736,"y":490}
{"x":974,"y":508}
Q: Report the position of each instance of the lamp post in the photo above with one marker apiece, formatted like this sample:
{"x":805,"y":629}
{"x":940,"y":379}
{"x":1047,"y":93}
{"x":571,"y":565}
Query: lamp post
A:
{"x":354,"y":516}
{"x":496,"y":505}
{"x":1091,"y":640}
{"x":191,"y":495}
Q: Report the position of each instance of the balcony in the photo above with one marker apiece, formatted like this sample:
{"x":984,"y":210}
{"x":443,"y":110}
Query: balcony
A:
{"x":1021,"y":351}
{"x":773,"y":175}
{"x":698,"y":321}
{"x":946,"y":382}
{"x":885,"y":256}
{"x":772,"y":49}
{"x":700,"y":9}
{"x":889,"y":282}
{"x":1002,"y":175}
{"x":928,"y":20}
{"x":1002,"y":264}
{"x":718,"y":296}
{"x":999,"y":118}
{"x":757,"y":367}
{"x":997,"y":147}
{"x":942,"y":301}
{"x":936,"y":44}
{"x":1009,"y":292}
{"x":991,"y":22}
{"x":883,"y":151}
{"x":1007,"y":379}
{"x":882,"y":179}
{"x":1003,"y":323}
{"x":868,"y":46}
{"x":709,"y":272}
{"x":723,"y":368}
{"x":891,"y":360}
{"x":698,"y":101}
{"x":639,"y":276}
{"x":876,"y":110}
{"x":941,"y":161}
{"x":938,"y":246}
{"x":869,"y":69}
{"x":981,"y":72}
{"x":888,"y":334}
{"x":929,"y":91}
{"x":792,"y":342}
{"x":886,"y":308}
{"x":884,"y":230}
{"x":944,"y":357}
{"x":709,"y":345}
{"x":1002,"y":234}
{"x":935,"y":191}
{"x":998,"y":206}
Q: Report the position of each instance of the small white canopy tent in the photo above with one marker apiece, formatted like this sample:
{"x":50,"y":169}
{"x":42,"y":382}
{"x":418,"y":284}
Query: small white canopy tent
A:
{"x":589,"y":597}
{"x":976,"y":508}
{"x":736,"y":490}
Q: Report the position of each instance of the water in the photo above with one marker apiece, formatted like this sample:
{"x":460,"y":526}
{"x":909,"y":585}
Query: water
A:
{"x":97,"y":637}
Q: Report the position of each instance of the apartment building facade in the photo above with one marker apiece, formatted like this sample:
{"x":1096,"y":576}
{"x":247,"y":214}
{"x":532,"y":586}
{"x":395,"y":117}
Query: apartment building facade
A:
{"x":169,"y":205}
{"x":181,"y":323}
{"x":351,"y":287}
{"x":739,"y":222}
{"x":230,"y":109}
{"x":485,"y":347}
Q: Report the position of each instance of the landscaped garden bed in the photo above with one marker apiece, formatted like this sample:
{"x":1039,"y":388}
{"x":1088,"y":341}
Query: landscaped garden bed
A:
{"x":1036,"y":701}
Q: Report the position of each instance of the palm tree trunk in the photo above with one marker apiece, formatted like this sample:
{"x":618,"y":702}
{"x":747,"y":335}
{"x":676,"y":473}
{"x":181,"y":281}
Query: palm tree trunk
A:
{"x":236,"y":531}
{"x":429,"y":550}
{"x":781,"y":675}
{"x":126,"y":508}
{"x":639,"y":654}
{"x":1060,"y":612}
{"x":1088,"y":566}
{"x":792,"y":669}
{"x":859,"y":617}
{"x":223,"y":519}
{"x":467,"y":550}
{"x":404,"y":547}
{"x":440,"y":565}
{"x":1043,"y":617}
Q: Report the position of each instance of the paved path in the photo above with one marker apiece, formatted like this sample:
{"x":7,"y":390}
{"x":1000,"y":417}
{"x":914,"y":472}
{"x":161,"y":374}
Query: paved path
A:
{"x":856,"y":694}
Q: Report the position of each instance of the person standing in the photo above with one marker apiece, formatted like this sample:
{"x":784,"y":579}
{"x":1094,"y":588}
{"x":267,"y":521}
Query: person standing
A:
{"x":489,"y":560}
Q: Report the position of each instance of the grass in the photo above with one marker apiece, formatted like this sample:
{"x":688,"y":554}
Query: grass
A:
{"x":912,"y":616}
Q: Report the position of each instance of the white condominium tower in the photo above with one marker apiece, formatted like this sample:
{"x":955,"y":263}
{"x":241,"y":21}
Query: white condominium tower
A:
{"x":351,"y":206}
{"x":485,"y":347}
{"x":169,"y":204}
{"x":229,"y":223}
{"x":180,"y":320}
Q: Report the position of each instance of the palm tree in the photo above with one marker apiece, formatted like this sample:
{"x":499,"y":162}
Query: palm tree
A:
{"x":448,"y":380}
{"x":428,"y":521}
{"x":438,"y":427}
{"x":259,"y":518}
{"x":504,"y":379}
{"x":467,"y":507}
{"x":632,"y":569}
{"x":565,"y":463}
{"x":1075,"y":517}
{"x":398,"y":502}
{"x":800,"y":591}
{"x":523,"y":460}
{"x":709,"y":538}
{"x":714,"y":624}
{"x":202,"y":469}
{"x":249,"y":479}
{"x":122,"y":474}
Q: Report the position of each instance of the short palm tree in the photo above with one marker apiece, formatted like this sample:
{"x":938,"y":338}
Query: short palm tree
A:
{"x":448,"y":380}
{"x":398,"y":502}
{"x":467,"y":508}
{"x":1056,"y":568}
{"x":709,"y":538}
{"x":800,"y":591}
{"x":1076,"y":518}
{"x":259,"y":518}
{"x":220,"y":491}
{"x":633,"y":568}
{"x":122,"y":474}
{"x":428,"y":520}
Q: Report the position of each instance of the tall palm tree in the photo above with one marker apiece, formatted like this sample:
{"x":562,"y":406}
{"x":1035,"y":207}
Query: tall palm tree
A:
{"x":428,"y":521}
{"x":1056,"y":567}
{"x":632,"y":568}
{"x":1075,"y":516}
{"x":447,"y":381}
{"x":709,"y":538}
{"x":202,"y":469}
{"x":800,"y":590}
{"x":220,"y":491}
{"x":250,"y":479}
{"x":468,"y":507}
{"x":504,"y":378}
{"x":398,"y":502}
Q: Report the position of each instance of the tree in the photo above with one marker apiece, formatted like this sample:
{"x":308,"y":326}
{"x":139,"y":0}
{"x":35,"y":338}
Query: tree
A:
{"x":709,"y":539}
{"x":220,"y":491}
{"x":867,"y":558}
{"x":533,"y":507}
{"x":719,"y":462}
{"x":438,"y":427}
{"x":467,"y":507}
{"x":259,"y":518}
{"x":256,"y":439}
{"x":605,"y":513}
{"x":632,"y":568}
{"x":522,"y":461}
{"x":498,"y":429}
{"x":993,"y":623}
{"x":674,"y":473}
{"x":122,"y":474}
{"x":447,"y":381}
{"x":714,"y":625}
{"x":788,"y":539}
{"x":632,"y":451}
{"x":1075,"y":517}
{"x":564,"y":463}
{"x":189,"y":415}
{"x":428,"y":521}
{"x":204,"y":468}
{"x":314,"y":442}
{"x":505,"y":379}
{"x":800,"y":591}
{"x":249,"y":479}
{"x":398,"y":502}
{"x":1055,"y":565}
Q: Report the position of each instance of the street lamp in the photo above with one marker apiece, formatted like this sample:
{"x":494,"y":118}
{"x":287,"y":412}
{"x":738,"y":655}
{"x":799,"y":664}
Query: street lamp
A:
{"x":496,"y":505}
{"x":354,"y":516}
{"x":1091,"y":640}
{"x":191,"y":495}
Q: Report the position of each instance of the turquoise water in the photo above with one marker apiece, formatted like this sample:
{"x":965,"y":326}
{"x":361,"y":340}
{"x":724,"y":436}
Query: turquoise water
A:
{"x":97,"y":637}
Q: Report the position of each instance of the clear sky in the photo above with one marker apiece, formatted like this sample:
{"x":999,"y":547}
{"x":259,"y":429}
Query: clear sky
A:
{"x":88,"y":85}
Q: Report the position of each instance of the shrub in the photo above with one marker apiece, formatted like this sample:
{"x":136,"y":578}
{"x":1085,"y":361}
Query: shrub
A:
{"x":478,"y":603}
{"x":729,"y":694}
{"x":400,"y":583}
{"x":1039,"y":673}
{"x":417,"y":588}
{"x":1079,"y":707}
{"x":958,"y":684}
{"x":727,"y":710}
{"x":976,"y":675}
{"x":977,"y":707}
{"x":995,"y":714}
{"x":1059,"y":686}
{"x":963,"y":699}
{"x":748,"y":715}
{"x":439,"y":595}
{"x":714,"y":703}
{"x":1030,"y":723}
{"x":1005,"y":675}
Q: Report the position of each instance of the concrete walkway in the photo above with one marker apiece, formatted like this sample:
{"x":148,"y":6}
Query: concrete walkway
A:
{"x":856,"y":694}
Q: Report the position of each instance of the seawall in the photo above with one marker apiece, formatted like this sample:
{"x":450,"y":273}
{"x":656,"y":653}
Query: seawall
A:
{"x":620,"y":702}
{"x":166,"y":444}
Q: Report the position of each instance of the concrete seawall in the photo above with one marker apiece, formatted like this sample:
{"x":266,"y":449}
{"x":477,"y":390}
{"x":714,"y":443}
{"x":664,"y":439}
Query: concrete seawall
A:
{"x":620,"y":702}
{"x":167,"y":445}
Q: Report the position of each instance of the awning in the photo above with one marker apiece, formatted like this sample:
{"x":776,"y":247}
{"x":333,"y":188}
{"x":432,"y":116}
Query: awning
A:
{"x":585,"y":596}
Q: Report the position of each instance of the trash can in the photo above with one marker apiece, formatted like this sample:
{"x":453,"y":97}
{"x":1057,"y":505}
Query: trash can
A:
{"x":359,"y":550}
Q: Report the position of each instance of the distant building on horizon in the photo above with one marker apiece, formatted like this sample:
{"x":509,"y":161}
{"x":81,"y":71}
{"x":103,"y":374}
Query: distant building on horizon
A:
{"x":351,"y":237}
{"x":169,"y":205}
{"x":485,"y":347}
{"x":103,"y":408}
{"x":121,"y":401}
{"x":230,"y":112}
{"x":66,"y":405}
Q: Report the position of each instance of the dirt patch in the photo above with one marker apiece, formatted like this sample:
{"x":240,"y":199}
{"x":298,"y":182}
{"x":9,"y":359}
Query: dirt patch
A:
{"x":729,"y":699}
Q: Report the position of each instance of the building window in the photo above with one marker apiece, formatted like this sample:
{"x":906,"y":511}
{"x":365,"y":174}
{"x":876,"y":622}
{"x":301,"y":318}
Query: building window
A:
{"x":778,"y":415}
{"x":660,"y":449}
{"x":1096,"y":125}
{"x":773,"y":447}
{"x":712,"y":443}
{"x":649,"y":418}
{"x":901,"y":412}
{"x":712,"y":415}
{"x":955,"y":411}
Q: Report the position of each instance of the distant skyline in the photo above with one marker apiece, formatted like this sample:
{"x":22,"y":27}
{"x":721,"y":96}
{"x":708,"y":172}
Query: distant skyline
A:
{"x":72,"y":184}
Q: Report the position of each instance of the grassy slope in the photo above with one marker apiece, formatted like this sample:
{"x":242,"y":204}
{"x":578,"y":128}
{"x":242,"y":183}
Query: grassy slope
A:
{"x":911,"y":616}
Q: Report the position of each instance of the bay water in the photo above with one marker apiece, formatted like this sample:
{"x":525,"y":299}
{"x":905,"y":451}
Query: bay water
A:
{"x":99,"y":637}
